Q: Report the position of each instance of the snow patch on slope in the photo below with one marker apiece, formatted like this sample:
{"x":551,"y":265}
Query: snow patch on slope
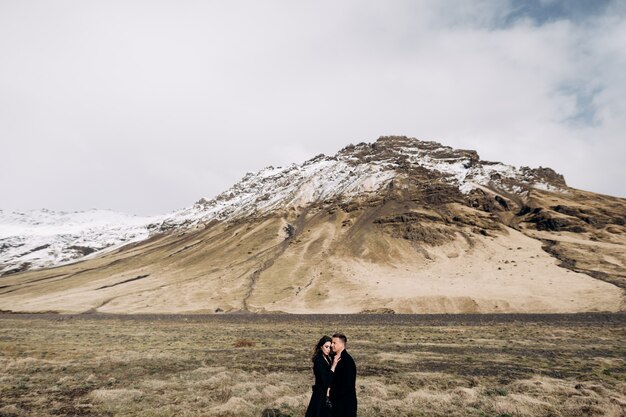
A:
{"x":317,"y":180}
{"x":464,"y":169}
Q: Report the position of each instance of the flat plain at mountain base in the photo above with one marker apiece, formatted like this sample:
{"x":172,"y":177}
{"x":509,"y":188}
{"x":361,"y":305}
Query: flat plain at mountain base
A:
{"x":241,"y":365}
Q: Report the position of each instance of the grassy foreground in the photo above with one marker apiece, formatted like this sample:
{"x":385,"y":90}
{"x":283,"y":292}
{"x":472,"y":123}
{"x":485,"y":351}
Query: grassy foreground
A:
{"x":562,"y":365}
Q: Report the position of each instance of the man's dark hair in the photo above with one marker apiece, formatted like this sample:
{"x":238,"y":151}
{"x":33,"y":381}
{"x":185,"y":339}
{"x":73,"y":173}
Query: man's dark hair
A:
{"x":341,"y":336}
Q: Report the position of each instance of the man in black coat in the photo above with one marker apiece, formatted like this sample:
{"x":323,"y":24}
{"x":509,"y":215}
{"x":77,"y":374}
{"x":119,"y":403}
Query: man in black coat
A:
{"x":343,"y":386}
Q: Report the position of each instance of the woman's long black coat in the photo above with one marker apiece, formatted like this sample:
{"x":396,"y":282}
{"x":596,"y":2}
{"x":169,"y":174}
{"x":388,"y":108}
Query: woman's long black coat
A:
{"x":323,"y":378}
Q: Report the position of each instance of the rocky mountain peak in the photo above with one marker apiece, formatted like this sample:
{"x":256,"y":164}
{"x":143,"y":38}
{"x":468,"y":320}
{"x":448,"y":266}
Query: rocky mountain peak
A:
{"x":397,"y":149}
{"x":364,"y":172}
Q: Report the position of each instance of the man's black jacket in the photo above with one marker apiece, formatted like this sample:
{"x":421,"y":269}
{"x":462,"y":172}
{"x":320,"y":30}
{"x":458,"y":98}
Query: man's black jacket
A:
{"x":343,"y":387}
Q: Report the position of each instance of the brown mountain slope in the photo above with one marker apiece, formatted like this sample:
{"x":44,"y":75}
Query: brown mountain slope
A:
{"x":419,"y":246}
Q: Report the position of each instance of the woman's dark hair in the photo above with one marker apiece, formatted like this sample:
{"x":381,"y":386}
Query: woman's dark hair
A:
{"x":318,"y":346}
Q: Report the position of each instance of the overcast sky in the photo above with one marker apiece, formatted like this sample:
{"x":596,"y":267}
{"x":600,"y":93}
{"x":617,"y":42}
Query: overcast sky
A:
{"x":147,"y":106}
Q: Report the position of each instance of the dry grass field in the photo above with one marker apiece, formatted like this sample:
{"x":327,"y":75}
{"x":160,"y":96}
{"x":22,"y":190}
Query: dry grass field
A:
{"x":241,"y":365}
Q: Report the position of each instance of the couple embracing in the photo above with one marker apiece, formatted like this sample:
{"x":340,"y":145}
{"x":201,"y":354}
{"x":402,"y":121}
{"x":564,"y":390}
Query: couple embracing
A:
{"x":334,"y":392}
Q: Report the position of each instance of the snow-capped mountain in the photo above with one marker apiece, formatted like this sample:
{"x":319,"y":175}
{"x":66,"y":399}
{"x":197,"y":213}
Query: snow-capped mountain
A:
{"x":396,"y":225}
{"x":44,"y":238}
{"x":38,"y":239}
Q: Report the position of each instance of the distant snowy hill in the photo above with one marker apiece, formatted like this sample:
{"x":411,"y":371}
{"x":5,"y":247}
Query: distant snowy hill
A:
{"x":44,"y":238}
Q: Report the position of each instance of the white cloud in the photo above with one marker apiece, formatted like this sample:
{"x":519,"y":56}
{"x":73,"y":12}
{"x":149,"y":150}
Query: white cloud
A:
{"x":146,"y":107}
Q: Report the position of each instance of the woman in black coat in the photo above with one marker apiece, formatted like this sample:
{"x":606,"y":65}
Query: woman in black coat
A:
{"x":323,"y":368}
